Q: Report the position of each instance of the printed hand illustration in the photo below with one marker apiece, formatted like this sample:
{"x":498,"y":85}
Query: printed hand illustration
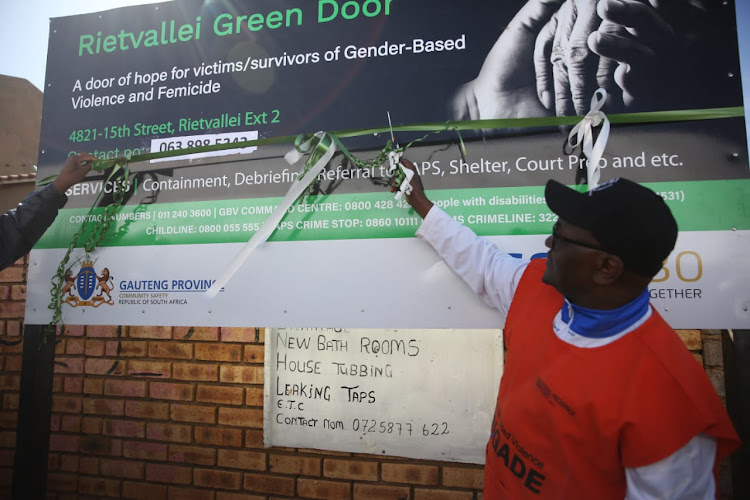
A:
{"x":506,"y":84}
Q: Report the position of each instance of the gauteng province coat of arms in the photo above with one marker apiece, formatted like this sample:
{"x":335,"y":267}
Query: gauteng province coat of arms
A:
{"x":79,"y":289}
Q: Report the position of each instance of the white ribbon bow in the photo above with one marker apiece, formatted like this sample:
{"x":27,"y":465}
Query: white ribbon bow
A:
{"x":583,"y":133}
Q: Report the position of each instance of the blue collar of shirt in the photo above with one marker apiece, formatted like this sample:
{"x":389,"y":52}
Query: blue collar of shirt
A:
{"x":598,"y":323}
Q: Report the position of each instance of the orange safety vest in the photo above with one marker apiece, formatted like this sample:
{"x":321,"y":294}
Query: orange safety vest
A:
{"x":568,"y":420}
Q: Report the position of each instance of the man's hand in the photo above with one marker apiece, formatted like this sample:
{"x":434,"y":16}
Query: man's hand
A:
{"x":417,"y":199}
{"x":75,"y":169}
{"x":506,"y":85}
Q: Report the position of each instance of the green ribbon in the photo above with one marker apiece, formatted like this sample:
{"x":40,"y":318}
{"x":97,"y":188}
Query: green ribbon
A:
{"x":101,"y":165}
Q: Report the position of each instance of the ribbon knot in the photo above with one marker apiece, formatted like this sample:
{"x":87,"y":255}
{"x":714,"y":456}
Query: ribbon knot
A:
{"x":583,"y":134}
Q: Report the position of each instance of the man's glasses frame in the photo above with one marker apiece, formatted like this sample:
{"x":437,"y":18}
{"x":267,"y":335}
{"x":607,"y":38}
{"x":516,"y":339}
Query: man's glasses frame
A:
{"x":556,"y":236}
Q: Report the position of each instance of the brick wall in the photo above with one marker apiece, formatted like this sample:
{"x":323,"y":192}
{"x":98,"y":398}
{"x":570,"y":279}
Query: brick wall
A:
{"x":177,"y":413}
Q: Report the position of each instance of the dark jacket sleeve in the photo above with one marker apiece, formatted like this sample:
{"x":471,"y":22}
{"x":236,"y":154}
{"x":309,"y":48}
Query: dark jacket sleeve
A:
{"x":21,"y":227}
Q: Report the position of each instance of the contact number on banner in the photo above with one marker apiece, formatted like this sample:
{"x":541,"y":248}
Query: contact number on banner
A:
{"x":197,"y":141}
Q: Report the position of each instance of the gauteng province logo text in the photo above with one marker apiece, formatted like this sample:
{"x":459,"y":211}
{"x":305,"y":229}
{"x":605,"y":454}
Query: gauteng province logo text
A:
{"x":78,"y":290}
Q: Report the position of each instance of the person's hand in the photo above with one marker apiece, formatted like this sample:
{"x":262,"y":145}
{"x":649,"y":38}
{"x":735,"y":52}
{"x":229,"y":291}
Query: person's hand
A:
{"x":75,"y":169}
{"x":506,"y":85}
{"x":568,"y":72}
{"x":656,"y":49}
{"x":417,"y":199}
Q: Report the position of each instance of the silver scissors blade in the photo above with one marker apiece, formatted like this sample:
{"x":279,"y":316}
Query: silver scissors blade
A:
{"x":393,"y":138}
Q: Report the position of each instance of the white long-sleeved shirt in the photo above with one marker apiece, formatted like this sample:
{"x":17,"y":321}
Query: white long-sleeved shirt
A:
{"x":494,"y":276}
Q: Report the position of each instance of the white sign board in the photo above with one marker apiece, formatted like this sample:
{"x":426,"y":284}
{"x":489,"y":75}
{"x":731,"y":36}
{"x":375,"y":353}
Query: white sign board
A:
{"x":427,"y":394}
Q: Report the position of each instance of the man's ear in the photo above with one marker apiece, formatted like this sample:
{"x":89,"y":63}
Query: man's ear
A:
{"x":609,"y":269}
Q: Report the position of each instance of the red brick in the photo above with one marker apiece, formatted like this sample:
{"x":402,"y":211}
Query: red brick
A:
{"x":99,"y":487}
{"x":327,"y":490}
{"x":149,"y":368}
{"x":74,"y":330}
{"x":168,"y":432}
{"x":358,"y":470}
{"x":69,"y":463}
{"x":178,"y":493}
{"x":426,"y":494}
{"x":124,"y":428}
{"x":294,"y":465}
{"x":12,"y":274}
{"x":147,"y":410}
{"x":13,"y":328}
{"x":218,"y":436}
{"x":167,"y":390}
{"x":95,"y":347}
{"x":200,"y":455}
{"x":73,"y":385}
{"x":222,"y":495}
{"x":124,"y":469}
{"x":94,"y":406}
{"x":379,"y":492}
{"x":88,"y":465}
{"x":254,"y":353}
{"x":412,"y":474}
{"x":140,"y":491}
{"x":241,"y":374}
{"x":254,"y":439}
{"x":69,"y":365}
{"x":219,"y":394}
{"x":75,"y":346}
{"x":168,"y":474}
{"x":126,"y":348}
{"x":144,"y":450}
{"x":150,"y":332}
{"x":91,"y":425}
{"x":18,"y":292}
{"x":193,"y":413}
{"x":12,"y":309}
{"x":8,"y":419}
{"x":7,"y":439}
{"x":170,"y":350}
{"x":195,"y":371}
{"x":248,"y":460}
{"x":125,"y":388}
{"x":463,"y":477}
{"x":4,"y":292}
{"x":93,"y":385}
{"x":10,"y":401}
{"x":13,"y":362}
{"x":66,"y":404}
{"x":218,"y":479}
{"x":61,"y":482}
{"x":275,"y":485}
{"x":10,"y":382}
{"x":70,"y":423}
{"x":254,"y":396}
{"x":96,"y":366}
{"x":64,"y":442}
{"x":241,"y":417}
{"x":238,"y":335}
{"x":98,"y":331}
{"x":196,"y":333}
{"x":218,"y":352}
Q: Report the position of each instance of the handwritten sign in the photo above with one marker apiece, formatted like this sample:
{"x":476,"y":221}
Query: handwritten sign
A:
{"x":425,"y":394}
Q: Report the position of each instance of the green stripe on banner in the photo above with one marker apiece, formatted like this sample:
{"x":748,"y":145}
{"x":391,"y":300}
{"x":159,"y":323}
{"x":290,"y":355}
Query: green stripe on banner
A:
{"x":697,"y":205}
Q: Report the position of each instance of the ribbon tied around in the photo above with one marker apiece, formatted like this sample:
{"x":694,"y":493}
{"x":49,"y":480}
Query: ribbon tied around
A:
{"x":583,"y":134}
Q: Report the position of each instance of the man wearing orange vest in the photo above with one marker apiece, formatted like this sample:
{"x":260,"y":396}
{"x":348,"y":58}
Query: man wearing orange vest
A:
{"x":599,"y":397}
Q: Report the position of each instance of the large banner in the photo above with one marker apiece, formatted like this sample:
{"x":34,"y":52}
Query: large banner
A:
{"x":189,"y":73}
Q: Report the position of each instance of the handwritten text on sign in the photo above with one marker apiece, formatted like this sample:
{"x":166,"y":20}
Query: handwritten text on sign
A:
{"x":413,"y":393}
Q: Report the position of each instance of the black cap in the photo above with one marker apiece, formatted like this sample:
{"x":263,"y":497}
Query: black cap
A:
{"x":627,"y":219}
